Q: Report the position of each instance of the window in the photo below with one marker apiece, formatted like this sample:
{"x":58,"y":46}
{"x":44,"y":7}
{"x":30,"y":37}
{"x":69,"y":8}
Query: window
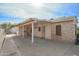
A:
{"x":58,"y":30}
{"x":39,"y":29}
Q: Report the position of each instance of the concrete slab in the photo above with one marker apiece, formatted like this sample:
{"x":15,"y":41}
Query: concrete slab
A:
{"x":18,"y":46}
{"x":43,"y":47}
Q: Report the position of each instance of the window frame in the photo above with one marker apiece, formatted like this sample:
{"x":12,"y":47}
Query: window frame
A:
{"x":39,"y":28}
{"x":58,"y":30}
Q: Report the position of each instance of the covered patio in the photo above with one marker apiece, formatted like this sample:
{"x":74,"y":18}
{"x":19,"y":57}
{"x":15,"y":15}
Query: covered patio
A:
{"x":29,"y":29}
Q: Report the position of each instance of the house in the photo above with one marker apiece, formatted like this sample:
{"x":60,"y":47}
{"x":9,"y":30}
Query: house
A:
{"x":61,"y":29}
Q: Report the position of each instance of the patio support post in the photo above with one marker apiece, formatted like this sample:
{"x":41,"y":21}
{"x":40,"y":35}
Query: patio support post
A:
{"x":32,"y":32}
{"x":23,"y":31}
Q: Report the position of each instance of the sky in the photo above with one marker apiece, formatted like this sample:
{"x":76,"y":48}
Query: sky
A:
{"x":18,"y":12}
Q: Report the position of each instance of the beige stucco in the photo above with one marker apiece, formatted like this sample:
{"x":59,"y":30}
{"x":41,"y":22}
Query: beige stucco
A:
{"x":67,"y":32}
{"x":38,"y":33}
{"x":48,"y":31}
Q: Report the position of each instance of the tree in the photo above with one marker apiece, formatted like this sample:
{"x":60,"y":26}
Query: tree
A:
{"x":7,"y":26}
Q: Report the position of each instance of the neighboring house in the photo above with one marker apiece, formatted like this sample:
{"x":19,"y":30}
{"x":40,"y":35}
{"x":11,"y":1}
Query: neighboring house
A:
{"x":61,"y":29}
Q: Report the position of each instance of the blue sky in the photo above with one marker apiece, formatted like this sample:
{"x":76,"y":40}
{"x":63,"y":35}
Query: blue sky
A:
{"x":15,"y":13}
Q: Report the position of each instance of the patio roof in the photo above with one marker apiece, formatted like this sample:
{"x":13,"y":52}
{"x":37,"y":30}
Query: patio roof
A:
{"x":30,"y":20}
{"x":45,"y":21}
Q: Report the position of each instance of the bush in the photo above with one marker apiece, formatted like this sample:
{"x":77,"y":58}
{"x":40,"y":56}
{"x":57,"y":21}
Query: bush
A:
{"x":77,"y":35}
{"x":77,"y":39}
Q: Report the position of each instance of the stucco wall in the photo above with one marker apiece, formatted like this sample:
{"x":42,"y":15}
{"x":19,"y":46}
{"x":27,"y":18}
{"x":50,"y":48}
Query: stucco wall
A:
{"x":38,"y":33}
{"x":45,"y":31}
{"x":67,"y":32}
{"x":48,"y":31}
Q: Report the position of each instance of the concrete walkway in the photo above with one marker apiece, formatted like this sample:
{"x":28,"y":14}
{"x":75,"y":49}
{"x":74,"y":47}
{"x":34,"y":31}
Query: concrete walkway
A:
{"x":16,"y":46}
